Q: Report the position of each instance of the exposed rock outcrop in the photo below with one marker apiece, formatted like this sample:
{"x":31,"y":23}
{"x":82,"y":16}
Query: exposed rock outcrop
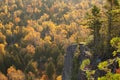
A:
{"x":68,"y":63}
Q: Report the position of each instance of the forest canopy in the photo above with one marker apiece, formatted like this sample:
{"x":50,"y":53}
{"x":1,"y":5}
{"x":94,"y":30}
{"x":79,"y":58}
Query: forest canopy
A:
{"x":34,"y":36}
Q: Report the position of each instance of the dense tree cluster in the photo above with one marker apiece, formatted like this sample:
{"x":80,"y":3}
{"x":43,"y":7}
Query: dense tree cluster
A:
{"x":34,"y":35}
{"x":105,"y":27}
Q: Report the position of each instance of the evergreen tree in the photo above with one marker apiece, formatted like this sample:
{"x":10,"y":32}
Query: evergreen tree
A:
{"x":50,"y":70}
{"x":95,"y":25}
{"x":111,"y":5}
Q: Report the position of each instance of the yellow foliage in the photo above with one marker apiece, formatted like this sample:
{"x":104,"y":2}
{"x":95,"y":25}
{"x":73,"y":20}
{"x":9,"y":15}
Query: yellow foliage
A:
{"x":29,"y":29}
{"x":63,"y":32}
{"x":29,"y":9}
{"x":72,"y":38}
{"x":39,"y":28}
{"x":32,"y":23}
{"x":16,"y":30}
{"x":8,"y":32}
{"x":30,"y":49}
{"x":58,"y":39}
{"x":32,"y":37}
{"x":6,"y":9}
{"x":9,"y":26}
{"x":35,"y":65}
{"x":66,"y":16}
{"x":44,"y":17}
{"x":2,"y":38}
{"x":2,"y":48}
{"x":16,"y":45}
{"x":59,"y":78}
{"x":47,"y":39}
{"x":29,"y":21}
{"x":84,"y":31}
{"x":11,"y":1}
{"x":36,"y":10}
{"x":1,"y":25}
{"x":17,"y":13}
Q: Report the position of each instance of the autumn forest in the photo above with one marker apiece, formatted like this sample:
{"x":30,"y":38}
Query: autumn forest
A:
{"x":35,"y":36}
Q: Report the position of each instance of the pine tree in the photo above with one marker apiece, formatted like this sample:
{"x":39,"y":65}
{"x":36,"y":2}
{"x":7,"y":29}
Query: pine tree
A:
{"x":111,"y":5}
{"x":95,"y":25}
{"x":50,"y":70}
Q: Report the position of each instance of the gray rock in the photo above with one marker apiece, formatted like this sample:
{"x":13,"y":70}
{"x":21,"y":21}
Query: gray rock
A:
{"x":68,"y":63}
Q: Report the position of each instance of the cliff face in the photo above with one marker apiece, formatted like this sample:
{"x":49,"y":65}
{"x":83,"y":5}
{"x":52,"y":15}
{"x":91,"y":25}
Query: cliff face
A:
{"x":84,"y":54}
{"x":68,"y":63}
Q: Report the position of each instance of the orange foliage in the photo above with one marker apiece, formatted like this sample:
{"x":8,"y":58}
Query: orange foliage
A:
{"x":118,"y":71}
{"x":44,"y":77}
{"x":3,"y":77}
{"x":14,"y":74}
{"x":11,"y":70}
{"x":17,"y":19}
